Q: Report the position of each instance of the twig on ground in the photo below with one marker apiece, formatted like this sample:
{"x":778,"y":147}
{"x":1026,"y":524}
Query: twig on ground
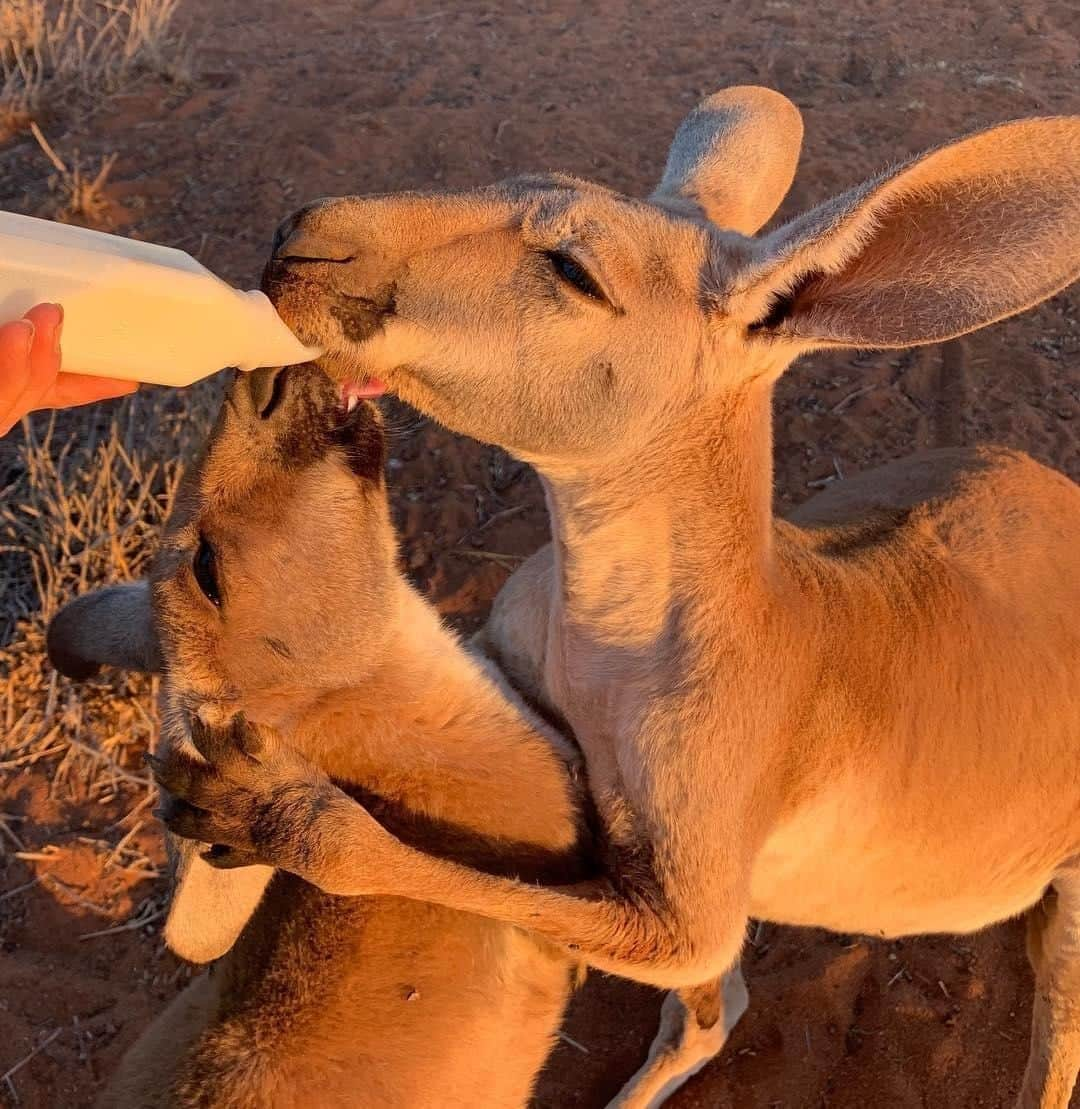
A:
{"x":851,"y":398}
{"x":20,"y":889}
{"x":61,"y":50}
{"x":63,"y":888}
{"x":6,"y":830}
{"x":507,"y":561}
{"x":10,"y":1073}
{"x":139,"y":920}
{"x":495,"y":518}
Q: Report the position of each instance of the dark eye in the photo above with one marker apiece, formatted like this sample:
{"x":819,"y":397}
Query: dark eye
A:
{"x":204,"y":567}
{"x":573,"y":273}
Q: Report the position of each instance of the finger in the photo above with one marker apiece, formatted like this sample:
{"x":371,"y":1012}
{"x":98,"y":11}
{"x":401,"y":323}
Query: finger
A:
{"x":191,"y":822}
{"x":72,"y":390}
{"x":185,"y":778}
{"x":211,"y":740}
{"x":249,"y":738}
{"x":221,"y":745}
{"x":229,"y":858}
{"x":183,"y":819}
{"x":48,"y":320}
{"x":16,"y":341}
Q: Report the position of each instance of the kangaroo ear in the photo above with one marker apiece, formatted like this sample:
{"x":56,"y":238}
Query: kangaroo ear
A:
{"x":733,"y":158}
{"x":109,"y":627}
{"x":965,"y":235}
{"x":209,"y":907}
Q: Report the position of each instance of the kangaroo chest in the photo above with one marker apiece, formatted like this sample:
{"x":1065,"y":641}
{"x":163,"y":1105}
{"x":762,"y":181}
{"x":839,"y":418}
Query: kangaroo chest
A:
{"x":878,"y":847}
{"x":609,"y":701}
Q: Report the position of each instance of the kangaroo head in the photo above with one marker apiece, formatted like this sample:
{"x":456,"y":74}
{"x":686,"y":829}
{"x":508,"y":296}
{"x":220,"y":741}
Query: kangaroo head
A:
{"x":273,"y":586}
{"x":274,"y":581}
{"x":562,"y":320}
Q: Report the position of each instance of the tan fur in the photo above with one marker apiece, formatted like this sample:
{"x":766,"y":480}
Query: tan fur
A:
{"x":326,"y":1001}
{"x":864,"y":718}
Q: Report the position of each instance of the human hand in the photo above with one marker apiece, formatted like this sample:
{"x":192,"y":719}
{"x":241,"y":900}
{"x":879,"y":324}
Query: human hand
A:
{"x":30,"y":377}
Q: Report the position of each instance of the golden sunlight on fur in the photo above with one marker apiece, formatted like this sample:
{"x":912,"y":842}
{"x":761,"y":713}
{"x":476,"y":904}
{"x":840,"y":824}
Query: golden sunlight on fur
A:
{"x":299,"y":619}
{"x":865,"y":717}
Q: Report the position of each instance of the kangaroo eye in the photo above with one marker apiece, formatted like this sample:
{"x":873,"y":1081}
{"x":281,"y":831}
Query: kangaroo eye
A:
{"x":204,"y":567}
{"x":573,"y":273}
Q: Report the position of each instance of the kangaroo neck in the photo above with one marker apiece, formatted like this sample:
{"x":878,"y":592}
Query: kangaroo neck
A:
{"x":683,"y":528}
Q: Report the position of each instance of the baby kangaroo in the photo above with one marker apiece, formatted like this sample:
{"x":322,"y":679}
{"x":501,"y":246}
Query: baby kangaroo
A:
{"x":275,"y":598}
{"x":866,"y":717}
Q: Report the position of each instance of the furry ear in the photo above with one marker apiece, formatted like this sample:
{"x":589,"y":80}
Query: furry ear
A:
{"x":963,"y":236}
{"x":209,"y":907}
{"x":733,"y":158}
{"x":109,"y":627}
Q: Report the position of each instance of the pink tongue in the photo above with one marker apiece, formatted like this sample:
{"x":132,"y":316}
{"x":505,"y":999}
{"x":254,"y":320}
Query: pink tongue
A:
{"x":354,"y":392}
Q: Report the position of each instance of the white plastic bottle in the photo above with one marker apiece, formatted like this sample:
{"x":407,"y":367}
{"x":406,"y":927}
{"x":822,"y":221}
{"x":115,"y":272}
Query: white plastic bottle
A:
{"x":135,"y":310}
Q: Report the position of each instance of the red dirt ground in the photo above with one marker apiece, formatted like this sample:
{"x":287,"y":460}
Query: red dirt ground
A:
{"x":295,"y":101}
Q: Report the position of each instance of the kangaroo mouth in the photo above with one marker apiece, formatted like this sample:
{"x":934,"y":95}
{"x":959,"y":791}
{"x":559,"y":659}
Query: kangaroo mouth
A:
{"x":353,"y":392}
{"x":303,"y":403}
{"x":307,"y":297}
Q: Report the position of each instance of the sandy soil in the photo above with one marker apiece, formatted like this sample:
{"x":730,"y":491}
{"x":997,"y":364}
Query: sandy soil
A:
{"x":295,"y":101}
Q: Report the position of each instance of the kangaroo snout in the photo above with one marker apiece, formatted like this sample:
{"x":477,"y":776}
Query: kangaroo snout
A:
{"x":292,"y":416}
{"x":303,"y":237}
{"x":326,"y":276}
{"x":284,"y":401}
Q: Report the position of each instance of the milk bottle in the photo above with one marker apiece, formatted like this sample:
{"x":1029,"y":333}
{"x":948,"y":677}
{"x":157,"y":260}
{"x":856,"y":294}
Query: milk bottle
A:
{"x":135,"y":310}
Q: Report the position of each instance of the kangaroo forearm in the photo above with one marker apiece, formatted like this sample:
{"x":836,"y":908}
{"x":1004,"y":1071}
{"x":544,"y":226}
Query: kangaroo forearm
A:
{"x":621,"y":931}
{"x":493,"y":850}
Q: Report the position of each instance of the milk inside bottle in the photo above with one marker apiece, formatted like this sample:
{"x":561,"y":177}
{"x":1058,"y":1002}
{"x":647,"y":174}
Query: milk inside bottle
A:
{"x":135,"y":310}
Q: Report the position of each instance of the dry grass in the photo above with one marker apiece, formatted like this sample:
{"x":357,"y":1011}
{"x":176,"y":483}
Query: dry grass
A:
{"x":77,"y":197}
{"x":83,"y":497}
{"x":57,"y":49}
{"x":80,"y":511}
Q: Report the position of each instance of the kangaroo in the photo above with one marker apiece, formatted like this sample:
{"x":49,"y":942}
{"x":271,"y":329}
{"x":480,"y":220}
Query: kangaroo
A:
{"x":275,"y":599}
{"x":865,"y":717}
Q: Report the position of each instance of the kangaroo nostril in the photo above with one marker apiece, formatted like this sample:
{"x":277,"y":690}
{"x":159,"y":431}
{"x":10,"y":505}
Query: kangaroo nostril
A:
{"x":282,"y":233}
{"x":266,"y":386}
{"x":304,"y":237}
{"x":303,"y":246}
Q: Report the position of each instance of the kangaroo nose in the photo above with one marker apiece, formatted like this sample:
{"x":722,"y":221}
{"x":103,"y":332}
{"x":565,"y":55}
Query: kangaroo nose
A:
{"x":283,"y":231}
{"x":265,"y":389}
{"x":284,"y":397}
{"x":298,"y":239}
